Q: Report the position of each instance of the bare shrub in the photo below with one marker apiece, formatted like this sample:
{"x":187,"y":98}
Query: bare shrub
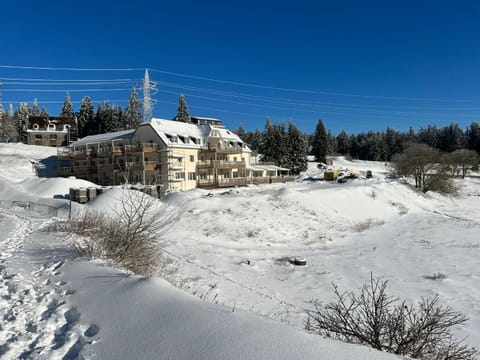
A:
{"x":129,"y":238}
{"x":383,"y":322}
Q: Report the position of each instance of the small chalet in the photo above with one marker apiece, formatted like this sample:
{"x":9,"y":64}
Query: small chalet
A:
{"x":49,"y":131}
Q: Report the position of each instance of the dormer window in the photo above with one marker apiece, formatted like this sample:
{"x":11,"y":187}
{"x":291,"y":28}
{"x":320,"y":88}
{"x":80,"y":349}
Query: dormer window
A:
{"x":35,"y":126}
{"x":172,"y":138}
{"x":51,"y":127}
{"x":66,"y":127}
{"x":184,"y":139}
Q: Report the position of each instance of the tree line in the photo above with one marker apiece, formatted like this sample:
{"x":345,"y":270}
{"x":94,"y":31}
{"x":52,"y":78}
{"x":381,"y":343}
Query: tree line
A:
{"x":376,"y":145}
{"x":106,"y":118}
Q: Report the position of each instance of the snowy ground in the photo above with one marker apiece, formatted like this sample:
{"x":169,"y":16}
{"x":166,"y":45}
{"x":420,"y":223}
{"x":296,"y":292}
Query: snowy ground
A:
{"x":226,"y":248}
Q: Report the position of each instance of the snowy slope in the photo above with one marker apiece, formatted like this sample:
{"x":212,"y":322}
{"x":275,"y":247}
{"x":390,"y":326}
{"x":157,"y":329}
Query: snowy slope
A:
{"x":57,"y":307}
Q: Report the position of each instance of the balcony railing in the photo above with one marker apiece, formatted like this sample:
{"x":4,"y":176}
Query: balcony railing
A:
{"x":147,"y":148}
{"x":242,"y":181}
{"x":220,"y":164}
{"x":229,"y":150}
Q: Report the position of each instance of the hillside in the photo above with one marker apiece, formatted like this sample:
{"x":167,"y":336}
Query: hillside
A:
{"x":228,"y":248}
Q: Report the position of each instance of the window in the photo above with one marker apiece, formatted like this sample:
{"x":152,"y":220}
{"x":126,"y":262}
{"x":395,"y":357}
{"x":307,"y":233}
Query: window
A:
{"x":51,"y":127}
{"x":185,"y":140}
{"x":172,"y":138}
{"x":35,"y":126}
{"x":226,"y":175}
{"x":38,"y":137}
{"x":202,"y":176}
{"x":192,"y":176}
{"x":235,"y":174}
{"x":179,"y":175}
{"x":235,"y":159}
{"x":180,"y":159}
{"x":202,"y":158}
{"x":192,"y":158}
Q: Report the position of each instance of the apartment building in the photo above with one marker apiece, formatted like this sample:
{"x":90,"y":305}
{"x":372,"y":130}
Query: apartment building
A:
{"x":170,"y":154}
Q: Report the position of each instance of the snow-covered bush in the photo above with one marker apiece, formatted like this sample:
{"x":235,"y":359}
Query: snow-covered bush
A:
{"x":130,"y":237}
{"x":383,"y":322}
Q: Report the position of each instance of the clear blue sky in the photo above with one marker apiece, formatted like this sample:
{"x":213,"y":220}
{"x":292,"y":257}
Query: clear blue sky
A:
{"x":358,"y":65}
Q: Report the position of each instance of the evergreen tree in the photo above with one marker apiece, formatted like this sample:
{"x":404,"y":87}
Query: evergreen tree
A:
{"x":98,"y":126}
{"x":343,"y":143}
{"x":320,"y":142}
{"x":241,"y":132}
{"x":85,"y":119}
{"x":268,"y":145}
{"x":20,"y":117}
{"x":429,"y":136}
{"x":451,"y":138}
{"x":107,"y":118}
{"x":67,"y":109}
{"x":35,"y":108}
{"x":473,"y":137}
{"x":297,"y":149}
{"x":132,"y":117}
{"x":332,"y":143}
{"x":182,"y":112}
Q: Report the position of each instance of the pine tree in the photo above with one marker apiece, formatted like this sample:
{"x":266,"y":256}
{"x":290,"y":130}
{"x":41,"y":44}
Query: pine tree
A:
{"x":35,"y":108}
{"x":132,"y":116}
{"x":67,"y":109}
{"x":85,"y":117}
{"x":473,"y":137}
{"x":106,"y":118}
{"x":267,"y":145}
{"x":451,"y":138}
{"x":20,"y":117}
{"x":320,"y":142}
{"x":98,"y":126}
{"x":182,"y":112}
{"x":297,"y":149}
{"x":343,"y":143}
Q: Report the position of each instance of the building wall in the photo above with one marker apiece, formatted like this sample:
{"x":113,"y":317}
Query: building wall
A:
{"x":46,"y":138}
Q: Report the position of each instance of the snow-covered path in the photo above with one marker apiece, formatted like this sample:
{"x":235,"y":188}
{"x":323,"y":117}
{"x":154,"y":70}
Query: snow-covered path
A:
{"x":38,"y":320}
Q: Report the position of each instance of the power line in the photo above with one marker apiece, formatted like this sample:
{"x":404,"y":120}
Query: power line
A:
{"x":63,"y":90}
{"x":238,"y":83}
{"x":282,"y":100}
{"x":66,"y":83}
{"x":67,"y":68}
{"x":66,"y":80}
{"x":306,"y":90}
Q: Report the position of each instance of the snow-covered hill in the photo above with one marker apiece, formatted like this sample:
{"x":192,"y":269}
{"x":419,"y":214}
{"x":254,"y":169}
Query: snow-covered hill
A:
{"x":228,"y":248}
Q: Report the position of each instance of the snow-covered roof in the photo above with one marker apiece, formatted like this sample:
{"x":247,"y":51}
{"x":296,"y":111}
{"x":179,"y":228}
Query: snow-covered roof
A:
{"x":177,"y":133}
{"x":117,"y":135}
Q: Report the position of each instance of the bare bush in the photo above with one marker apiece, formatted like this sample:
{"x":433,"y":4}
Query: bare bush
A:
{"x":129,"y":238}
{"x":427,"y":167}
{"x":383,"y":322}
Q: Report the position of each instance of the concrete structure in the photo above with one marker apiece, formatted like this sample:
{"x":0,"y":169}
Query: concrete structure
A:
{"x":170,"y":154}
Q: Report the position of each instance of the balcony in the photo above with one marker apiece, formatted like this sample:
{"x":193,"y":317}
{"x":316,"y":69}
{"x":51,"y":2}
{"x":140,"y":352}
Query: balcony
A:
{"x":220,"y":164}
{"x":118,"y":151}
{"x":64,"y":153}
{"x":229,"y":150}
{"x":64,"y":171}
{"x":242,"y":181}
{"x":138,"y":148}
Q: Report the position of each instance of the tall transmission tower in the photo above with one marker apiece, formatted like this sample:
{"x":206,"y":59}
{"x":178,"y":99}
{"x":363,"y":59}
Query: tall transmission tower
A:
{"x":1,"y":106}
{"x":147,"y":100}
